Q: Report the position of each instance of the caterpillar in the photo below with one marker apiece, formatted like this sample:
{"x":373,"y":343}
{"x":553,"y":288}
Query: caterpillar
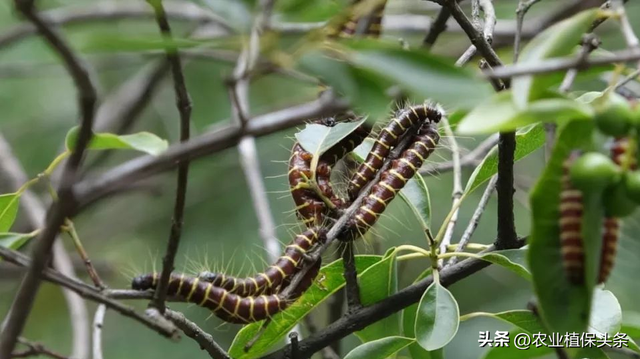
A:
{"x":273,"y":278}
{"x":309,"y":206}
{"x":394,"y":179}
{"x":609,"y":246}
{"x":619,"y":155}
{"x":388,"y":138}
{"x":230,"y":307}
{"x":570,"y":222}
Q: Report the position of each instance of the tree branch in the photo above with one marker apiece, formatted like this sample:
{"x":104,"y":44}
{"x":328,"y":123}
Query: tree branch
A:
{"x":194,"y":332}
{"x":98,"y":321}
{"x":183,"y":103}
{"x":35,"y":349}
{"x":59,"y":211}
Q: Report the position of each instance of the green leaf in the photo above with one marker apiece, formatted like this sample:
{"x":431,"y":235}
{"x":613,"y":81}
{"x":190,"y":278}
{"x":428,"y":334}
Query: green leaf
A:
{"x":15,"y":240}
{"x":606,"y":314}
{"x":527,"y":141}
{"x":376,"y":283}
{"x":500,"y":114}
{"x":417,"y":71}
{"x":409,"y":323}
{"x":415,"y":193}
{"x":437,"y":318}
{"x":8,"y":210}
{"x":365,"y":89}
{"x":525,"y":320}
{"x":558,"y":40}
{"x":141,"y":141}
{"x":511,"y":259}
{"x":380,"y":348}
{"x":329,"y":281}
{"x":631,"y":324}
{"x":564,"y":307}
{"x":317,"y":139}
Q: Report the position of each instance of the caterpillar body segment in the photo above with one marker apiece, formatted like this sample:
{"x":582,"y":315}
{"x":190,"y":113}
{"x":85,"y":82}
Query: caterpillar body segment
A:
{"x":610,"y":236}
{"x":393,"y":180}
{"x":309,"y":206}
{"x":230,"y":307}
{"x":571,"y":243}
{"x":388,"y":138}
{"x":273,"y":279}
{"x":619,"y":155}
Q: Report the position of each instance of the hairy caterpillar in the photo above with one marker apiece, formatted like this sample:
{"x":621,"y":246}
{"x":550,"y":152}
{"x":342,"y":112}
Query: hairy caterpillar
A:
{"x":388,"y":138}
{"x":571,"y":209}
{"x":270,"y":280}
{"x":309,"y":206}
{"x":230,"y":307}
{"x":394,"y":179}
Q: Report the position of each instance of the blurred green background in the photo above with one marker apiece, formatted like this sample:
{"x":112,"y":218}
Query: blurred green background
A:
{"x":126,"y":235}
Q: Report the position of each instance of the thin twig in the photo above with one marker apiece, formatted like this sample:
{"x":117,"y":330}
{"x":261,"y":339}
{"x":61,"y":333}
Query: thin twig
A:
{"x":183,"y":103}
{"x":457,"y":187}
{"x":521,"y":11}
{"x":475,"y":219}
{"x":98,"y":322}
{"x":194,"y":332}
{"x":88,"y":292}
{"x":64,"y":207}
{"x":93,"y":274}
{"x":488,"y":29}
{"x":625,"y":26}
{"x":352,"y":289}
{"x":34,"y":211}
{"x":590,"y":42}
{"x":471,"y":159}
{"x":36,"y":349}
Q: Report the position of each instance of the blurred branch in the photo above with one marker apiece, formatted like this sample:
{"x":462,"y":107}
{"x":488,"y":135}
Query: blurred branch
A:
{"x":109,"y":11}
{"x":629,"y":35}
{"x":487,"y":30}
{"x":183,"y":103}
{"x":380,"y":310}
{"x":457,"y":187}
{"x":87,"y":292}
{"x":34,"y":210}
{"x":60,"y":210}
{"x":98,"y":321}
{"x":92,"y":189}
{"x":35,"y":349}
{"x":437,"y":27}
{"x":475,"y":219}
{"x":521,"y":11}
{"x":190,"y":329}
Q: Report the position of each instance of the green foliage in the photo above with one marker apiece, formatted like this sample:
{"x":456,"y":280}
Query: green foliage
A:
{"x":511,"y":259}
{"x":8,"y":210}
{"x":376,"y":283}
{"x":141,"y":141}
{"x":556,"y":41}
{"x":15,"y":240}
{"x":505,"y":115}
{"x":437,"y":318}
{"x":329,"y":281}
{"x":380,"y":349}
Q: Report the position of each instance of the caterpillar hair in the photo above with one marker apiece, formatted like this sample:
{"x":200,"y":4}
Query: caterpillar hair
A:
{"x":388,"y":138}
{"x":570,"y":222}
{"x":272,"y":279}
{"x":232,"y":308}
{"x":393,"y":180}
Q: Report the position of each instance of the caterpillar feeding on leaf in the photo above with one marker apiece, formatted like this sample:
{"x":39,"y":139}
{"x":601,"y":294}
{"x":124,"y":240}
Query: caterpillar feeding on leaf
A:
{"x":271,"y":280}
{"x":570,"y":222}
{"x":230,"y":307}
{"x":388,"y":138}
{"x":394,"y":179}
{"x":310,"y":207}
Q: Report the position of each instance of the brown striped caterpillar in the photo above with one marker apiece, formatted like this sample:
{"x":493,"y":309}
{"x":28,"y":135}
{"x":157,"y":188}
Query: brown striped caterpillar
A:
{"x":609,"y":247}
{"x":394,"y":179}
{"x":388,"y":138}
{"x":310,"y":206}
{"x":570,"y":222}
{"x":619,"y":154}
{"x":232,"y":308}
{"x":272,"y":279}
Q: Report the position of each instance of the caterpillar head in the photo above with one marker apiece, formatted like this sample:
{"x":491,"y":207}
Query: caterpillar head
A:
{"x":144,"y":282}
